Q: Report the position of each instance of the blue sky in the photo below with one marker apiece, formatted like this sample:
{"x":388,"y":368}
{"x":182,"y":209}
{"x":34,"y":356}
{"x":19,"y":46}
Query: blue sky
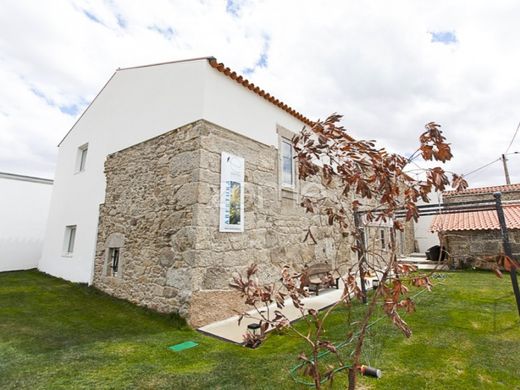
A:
{"x":389,"y":67}
{"x":446,"y":37}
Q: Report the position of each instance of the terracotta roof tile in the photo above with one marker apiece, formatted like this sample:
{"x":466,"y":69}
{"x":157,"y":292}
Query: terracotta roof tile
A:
{"x":476,"y":220}
{"x":484,"y":190}
{"x":255,"y":89}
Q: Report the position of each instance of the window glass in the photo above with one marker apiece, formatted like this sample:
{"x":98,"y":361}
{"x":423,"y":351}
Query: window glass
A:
{"x":113,"y":256}
{"x":81,"y":159}
{"x":70,"y":238}
{"x":287,"y":164}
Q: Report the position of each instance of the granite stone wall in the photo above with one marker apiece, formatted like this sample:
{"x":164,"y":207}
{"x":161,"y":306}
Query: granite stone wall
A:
{"x":151,"y":190}
{"x":476,"y":247}
{"x":162,"y":205}
{"x":473,"y":248}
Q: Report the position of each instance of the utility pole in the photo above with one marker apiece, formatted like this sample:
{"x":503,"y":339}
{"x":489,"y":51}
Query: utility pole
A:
{"x":506,"y":171}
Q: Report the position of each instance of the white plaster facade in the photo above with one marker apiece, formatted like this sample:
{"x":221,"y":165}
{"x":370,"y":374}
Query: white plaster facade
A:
{"x":424,"y":237}
{"x":135,"y":105}
{"x":24,"y":206}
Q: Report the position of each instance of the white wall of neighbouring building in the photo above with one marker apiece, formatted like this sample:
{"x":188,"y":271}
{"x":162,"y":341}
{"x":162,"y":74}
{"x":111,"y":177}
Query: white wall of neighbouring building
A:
{"x":423,"y":235}
{"x":24,"y":207}
{"x":135,"y":105}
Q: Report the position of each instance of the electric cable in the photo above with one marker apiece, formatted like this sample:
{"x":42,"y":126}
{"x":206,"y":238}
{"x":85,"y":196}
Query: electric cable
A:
{"x":482,"y":167}
{"x":513,"y":139}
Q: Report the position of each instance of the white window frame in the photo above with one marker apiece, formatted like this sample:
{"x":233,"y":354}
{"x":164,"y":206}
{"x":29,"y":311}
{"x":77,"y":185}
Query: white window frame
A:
{"x":69,"y":240}
{"x":81,"y":158}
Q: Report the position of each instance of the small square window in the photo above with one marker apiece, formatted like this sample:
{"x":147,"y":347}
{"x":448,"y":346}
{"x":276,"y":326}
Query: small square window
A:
{"x":81,"y":159}
{"x":70,"y":238}
{"x":287,"y":163}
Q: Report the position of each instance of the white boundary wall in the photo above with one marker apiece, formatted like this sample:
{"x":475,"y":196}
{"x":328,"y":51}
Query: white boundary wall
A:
{"x":24,"y":206}
{"x":138,"y":104}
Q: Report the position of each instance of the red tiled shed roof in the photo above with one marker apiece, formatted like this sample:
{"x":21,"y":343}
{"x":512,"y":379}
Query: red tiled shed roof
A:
{"x":484,"y":190}
{"x":476,"y":220}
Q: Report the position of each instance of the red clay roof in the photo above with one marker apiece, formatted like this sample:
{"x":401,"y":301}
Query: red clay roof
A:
{"x":253,"y":88}
{"x":484,"y":190}
{"x":476,"y":220}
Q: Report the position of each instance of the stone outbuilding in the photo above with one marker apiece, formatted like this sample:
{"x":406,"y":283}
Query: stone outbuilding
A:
{"x":472,"y":239}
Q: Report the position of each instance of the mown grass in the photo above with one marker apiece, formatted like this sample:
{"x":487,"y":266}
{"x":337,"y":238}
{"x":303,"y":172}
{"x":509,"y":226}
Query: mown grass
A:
{"x":57,"y":335}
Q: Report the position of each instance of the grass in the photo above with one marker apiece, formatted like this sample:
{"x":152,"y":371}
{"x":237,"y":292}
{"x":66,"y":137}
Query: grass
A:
{"x":57,"y":335}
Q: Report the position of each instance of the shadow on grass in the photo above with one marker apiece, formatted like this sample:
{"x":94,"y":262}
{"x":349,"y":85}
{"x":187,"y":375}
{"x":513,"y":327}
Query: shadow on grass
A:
{"x":40,"y":313}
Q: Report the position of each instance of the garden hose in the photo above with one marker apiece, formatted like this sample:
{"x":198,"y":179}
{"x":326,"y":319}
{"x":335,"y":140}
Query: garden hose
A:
{"x":369,"y":371}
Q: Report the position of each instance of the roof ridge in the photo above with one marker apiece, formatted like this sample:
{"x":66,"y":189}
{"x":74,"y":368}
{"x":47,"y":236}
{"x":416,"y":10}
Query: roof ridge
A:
{"x":483,"y":190}
{"x":16,"y":176}
{"x":166,"y":63}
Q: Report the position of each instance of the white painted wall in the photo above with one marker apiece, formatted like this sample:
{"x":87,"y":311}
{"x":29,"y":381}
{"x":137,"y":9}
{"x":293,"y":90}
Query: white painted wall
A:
{"x":423,"y":235}
{"x":24,"y":206}
{"x":234,"y":107}
{"x":136,"y":105}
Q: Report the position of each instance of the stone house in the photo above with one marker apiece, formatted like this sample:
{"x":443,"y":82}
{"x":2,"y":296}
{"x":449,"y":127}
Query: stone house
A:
{"x":473,"y":238}
{"x":135,"y":105}
{"x":177,"y":175}
{"x":136,"y":206}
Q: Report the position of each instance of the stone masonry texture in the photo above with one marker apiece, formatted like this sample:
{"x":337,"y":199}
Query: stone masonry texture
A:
{"x":162,"y":206}
{"x":476,"y":248}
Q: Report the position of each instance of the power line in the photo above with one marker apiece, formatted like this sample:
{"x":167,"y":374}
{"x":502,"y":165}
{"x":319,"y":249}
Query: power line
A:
{"x":513,"y":139}
{"x":482,"y":167}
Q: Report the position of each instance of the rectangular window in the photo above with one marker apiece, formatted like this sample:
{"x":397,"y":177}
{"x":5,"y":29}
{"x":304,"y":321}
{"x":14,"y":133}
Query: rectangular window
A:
{"x":383,"y":238}
{"x":81,"y":159}
{"x":287,"y":163}
{"x":70,"y":237}
{"x":113,"y":258}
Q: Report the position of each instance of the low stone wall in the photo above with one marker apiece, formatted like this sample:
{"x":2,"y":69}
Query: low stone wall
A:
{"x":162,"y":201}
{"x":475,"y":248}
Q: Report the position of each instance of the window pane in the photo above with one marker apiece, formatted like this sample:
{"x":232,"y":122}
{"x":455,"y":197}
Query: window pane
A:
{"x":114,"y":259}
{"x":287,"y":173}
{"x":286,"y":149}
{"x":72,"y":237}
{"x":287,"y":164}
{"x":83,"y":159}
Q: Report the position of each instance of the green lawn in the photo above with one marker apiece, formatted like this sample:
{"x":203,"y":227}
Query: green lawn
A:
{"x":55,"y":334}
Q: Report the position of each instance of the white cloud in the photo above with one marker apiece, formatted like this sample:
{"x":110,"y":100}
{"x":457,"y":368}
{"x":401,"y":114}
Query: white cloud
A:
{"x":373,"y":61}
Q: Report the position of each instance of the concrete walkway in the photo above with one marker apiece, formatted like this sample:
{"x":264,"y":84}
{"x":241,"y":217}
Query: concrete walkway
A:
{"x":229,"y":329}
{"x":419,"y":260}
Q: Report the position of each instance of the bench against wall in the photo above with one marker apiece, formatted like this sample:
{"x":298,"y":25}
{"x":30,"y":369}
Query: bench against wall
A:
{"x":319,"y":276}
